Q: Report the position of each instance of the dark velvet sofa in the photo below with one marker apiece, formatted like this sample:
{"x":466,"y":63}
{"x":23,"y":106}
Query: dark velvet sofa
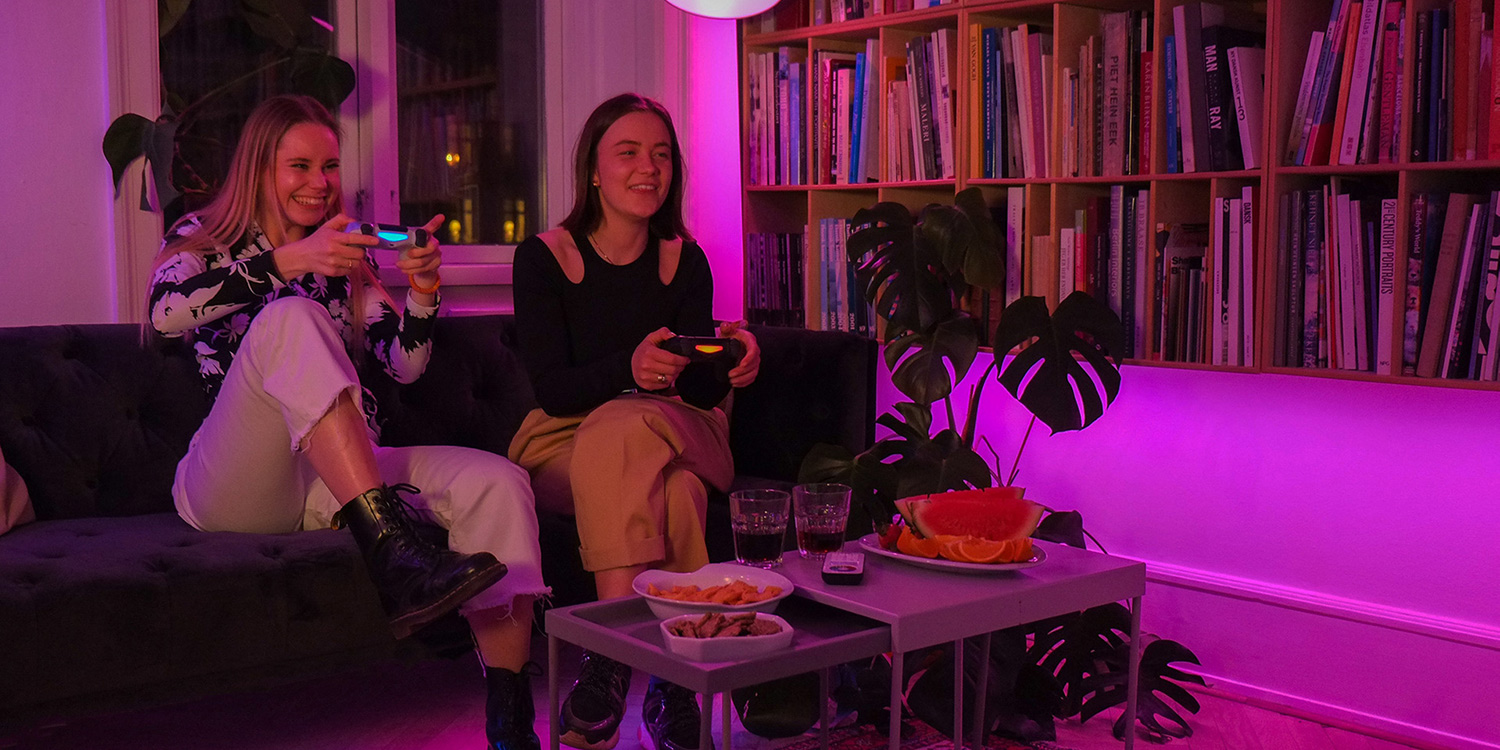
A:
{"x":109,"y":600}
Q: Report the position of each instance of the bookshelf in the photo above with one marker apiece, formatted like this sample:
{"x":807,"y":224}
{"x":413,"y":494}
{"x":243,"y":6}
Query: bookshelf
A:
{"x":1054,"y":191}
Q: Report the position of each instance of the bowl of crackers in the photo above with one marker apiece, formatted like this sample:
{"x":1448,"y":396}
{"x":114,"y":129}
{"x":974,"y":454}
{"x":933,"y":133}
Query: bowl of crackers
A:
{"x":725,"y":636}
{"x":716,"y":587}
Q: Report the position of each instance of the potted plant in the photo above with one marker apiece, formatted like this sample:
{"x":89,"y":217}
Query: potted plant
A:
{"x":177,"y":157}
{"x":1063,"y":366}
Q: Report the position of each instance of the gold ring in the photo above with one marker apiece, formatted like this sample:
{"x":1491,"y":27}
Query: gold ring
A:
{"x":349,"y":264}
{"x":661,"y":379}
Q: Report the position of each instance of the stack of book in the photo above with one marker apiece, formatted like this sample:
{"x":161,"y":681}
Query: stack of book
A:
{"x":838,"y":11}
{"x":1348,"y":108}
{"x":775,"y":289}
{"x":845,"y":116}
{"x":920,"y":108}
{"x":1106,"y":100}
{"x":1452,"y":324}
{"x":841,"y":300}
{"x":776,"y":96}
{"x":1335,"y":279}
{"x":1453,"y":86}
{"x":1015,"y":101}
{"x":1099,"y":254}
{"x":1214,"y":74}
{"x":1231,"y":325}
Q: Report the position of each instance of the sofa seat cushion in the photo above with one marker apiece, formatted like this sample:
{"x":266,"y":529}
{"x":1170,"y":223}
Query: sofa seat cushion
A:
{"x":118,"y":603}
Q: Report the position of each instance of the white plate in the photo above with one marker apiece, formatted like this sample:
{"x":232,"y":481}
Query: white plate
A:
{"x":726,"y":649}
{"x":712,"y":574}
{"x":871,"y":543}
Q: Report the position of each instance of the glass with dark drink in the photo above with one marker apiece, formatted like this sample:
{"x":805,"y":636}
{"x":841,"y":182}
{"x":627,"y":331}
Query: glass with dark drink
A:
{"x":822,"y":513}
{"x":758,"y":519}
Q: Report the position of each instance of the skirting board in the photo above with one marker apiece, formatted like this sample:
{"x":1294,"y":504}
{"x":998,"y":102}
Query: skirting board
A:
{"x":1463,"y":633}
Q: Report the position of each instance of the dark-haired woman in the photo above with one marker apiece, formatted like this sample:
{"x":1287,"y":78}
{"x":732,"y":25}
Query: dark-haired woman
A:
{"x":281,"y":302}
{"x":629,"y":437}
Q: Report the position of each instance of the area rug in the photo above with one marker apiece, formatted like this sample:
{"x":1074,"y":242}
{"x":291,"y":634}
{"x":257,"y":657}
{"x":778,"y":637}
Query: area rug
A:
{"x":923,"y":738}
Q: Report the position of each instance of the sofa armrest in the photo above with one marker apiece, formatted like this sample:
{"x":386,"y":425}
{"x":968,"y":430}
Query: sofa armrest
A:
{"x":814,"y":387}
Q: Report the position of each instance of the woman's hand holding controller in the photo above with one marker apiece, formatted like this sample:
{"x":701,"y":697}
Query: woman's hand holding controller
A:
{"x":652,"y":367}
{"x":746,"y":370}
{"x":329,"y":251}
{"x":421,"y":263}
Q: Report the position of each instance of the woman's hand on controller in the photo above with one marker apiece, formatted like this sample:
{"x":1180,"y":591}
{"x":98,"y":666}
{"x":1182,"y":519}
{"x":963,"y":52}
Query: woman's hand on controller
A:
{"x":653,"y":367}
{"x":745,"y":372}
{"x":422,"y":263}
{"x":329,"y":251}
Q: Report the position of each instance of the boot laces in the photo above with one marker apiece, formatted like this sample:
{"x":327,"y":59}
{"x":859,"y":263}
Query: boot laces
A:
{"x":601,"y":682}
{"x":402,"y":515}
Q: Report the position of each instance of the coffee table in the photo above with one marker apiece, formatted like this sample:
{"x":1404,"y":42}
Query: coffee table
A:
{"x":626,"y":630}
{"x":926,"y":606}
{"x":898,"y":607}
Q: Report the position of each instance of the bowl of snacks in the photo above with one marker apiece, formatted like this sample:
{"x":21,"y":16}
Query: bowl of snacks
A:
{"x":725,"y":636}
{"x":717,"y":587}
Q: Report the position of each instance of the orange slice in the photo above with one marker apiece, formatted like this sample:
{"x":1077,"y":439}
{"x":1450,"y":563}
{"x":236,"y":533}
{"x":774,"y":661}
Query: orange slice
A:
{"x":975,"y":550}
{"x":911,"y":545}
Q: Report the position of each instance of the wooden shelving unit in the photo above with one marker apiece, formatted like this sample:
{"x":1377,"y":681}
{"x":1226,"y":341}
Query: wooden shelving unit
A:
{"x":1286,"y":25}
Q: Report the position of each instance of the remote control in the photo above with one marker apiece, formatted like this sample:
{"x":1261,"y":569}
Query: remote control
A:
{"x":705,"y":348}
{"x":391,"y":236}
{"x":843,"y":568}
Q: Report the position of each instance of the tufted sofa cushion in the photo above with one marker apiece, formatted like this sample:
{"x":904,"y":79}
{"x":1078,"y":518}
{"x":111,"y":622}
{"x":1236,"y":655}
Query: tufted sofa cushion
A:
{"x":110,"y":600}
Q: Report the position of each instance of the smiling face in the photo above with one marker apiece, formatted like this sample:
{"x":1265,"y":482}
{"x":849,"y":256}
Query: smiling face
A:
{"x":304,"y":181}
{"x":634,"y":167}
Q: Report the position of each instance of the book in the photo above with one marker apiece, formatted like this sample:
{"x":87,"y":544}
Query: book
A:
{"x":1455,"y":359}
{"x":1116,"y":92}
{"x":1444,"y":284}
{"x":1312,"y":257}
{"x":1015,"y":213}
{"x":1356,"y":95}
{"x":1247,"y":283}
{"x":1169,"y":100}
{"x":1413,"y":292}
{"x":1224,"y":152}
{"x":1390,"y":75}
{"x":1487,"y":349}
{"x":1189,"y":21}
{"x":943,"y":50}
{"x":1247,"y":78}
{"x":1385,"y":316}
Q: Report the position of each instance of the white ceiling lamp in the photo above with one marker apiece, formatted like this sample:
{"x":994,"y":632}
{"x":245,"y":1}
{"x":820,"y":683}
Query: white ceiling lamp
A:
{"x":723,"y":8}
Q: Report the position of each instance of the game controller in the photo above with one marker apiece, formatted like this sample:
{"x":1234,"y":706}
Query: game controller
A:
{"x":391,"y":236}
{"x":706,"y":349}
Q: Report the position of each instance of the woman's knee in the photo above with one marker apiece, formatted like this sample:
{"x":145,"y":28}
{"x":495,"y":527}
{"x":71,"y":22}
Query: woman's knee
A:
{"x":291,"y":313}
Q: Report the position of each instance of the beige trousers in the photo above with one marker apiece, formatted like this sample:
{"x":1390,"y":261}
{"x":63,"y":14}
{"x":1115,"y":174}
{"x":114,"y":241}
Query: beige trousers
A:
{"x":245,"y":470}
{"x":635,"y":473}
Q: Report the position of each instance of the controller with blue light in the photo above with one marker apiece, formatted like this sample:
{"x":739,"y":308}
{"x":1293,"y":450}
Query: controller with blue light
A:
{"x":391,"y":236}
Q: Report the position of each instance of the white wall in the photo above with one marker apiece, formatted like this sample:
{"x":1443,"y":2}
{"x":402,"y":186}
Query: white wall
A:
{"x":1324,"y":544}
{"x":56,"y":262}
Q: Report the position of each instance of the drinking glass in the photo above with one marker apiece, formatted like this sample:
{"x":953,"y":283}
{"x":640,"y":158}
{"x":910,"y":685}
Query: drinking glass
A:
{"x":758,"y":518}
{"x":822,"y":512}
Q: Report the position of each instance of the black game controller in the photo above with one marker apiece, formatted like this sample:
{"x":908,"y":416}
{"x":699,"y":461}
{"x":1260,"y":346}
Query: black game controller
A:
{"x":391,"y":236}
{"x":706,"y":349}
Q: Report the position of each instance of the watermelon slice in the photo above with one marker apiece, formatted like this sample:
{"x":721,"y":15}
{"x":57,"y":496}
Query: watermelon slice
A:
{"x":997,"y":514}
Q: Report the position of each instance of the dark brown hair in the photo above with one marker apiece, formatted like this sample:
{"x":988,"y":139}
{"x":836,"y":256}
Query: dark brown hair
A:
{"x":587,"y":211}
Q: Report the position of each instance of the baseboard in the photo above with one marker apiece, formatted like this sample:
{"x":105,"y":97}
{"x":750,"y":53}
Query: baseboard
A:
{"x":1319,"y":604}
{"x":1327,"y":605}
{"x":1420,"y":737}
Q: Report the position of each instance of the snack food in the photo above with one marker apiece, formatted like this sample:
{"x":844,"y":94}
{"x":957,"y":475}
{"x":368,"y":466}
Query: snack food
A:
{"x":734,"y":592}
{"x":717,"y":625}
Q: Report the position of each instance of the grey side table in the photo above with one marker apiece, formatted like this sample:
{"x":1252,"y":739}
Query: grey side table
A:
{"x":926,"y":607}
{"x":625,"y":630}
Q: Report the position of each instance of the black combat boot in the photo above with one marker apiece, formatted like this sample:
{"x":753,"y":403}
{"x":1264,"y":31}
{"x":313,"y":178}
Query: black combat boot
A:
{"x":509,"y":712}
{"x":418,"y":582}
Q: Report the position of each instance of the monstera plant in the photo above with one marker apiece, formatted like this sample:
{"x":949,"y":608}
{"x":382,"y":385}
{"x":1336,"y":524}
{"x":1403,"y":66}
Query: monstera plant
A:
{"x":1063,"y":367}
{"x":299,"y":61}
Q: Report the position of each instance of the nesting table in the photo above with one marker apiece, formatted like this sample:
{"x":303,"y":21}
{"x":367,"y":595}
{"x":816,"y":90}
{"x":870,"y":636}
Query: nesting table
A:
{"x":897,"y":608}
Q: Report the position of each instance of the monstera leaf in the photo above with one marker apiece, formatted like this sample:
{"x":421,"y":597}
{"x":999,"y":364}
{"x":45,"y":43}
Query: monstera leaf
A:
{"x":1073,"y":647}
{"x":920,"y":362}
{"x":1157,"y":686}
{"x":1053,"y":374}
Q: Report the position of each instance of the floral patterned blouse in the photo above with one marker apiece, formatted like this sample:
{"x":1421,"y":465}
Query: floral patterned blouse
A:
{"x":215,"y":295}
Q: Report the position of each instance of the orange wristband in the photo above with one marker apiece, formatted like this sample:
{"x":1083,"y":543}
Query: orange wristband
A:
{"x":437,"y":281}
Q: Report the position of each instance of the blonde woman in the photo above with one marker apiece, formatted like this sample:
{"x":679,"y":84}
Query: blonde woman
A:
{"x":281,"y":303}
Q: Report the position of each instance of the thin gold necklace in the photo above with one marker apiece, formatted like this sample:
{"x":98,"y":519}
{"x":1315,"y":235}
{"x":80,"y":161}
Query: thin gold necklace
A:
{"x":594,"y":240}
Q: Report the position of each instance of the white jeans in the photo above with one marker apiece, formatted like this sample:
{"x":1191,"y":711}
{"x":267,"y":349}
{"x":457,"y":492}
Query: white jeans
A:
{"x":245,"y":470}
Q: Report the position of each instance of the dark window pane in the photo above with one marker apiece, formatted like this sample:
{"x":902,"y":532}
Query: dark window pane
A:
{"x":215,"y":68}
{"x":469,"y":103}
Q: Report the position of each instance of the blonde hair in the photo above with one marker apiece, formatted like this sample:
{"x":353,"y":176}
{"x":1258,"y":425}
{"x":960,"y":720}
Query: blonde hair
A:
{"x":240,"y":200}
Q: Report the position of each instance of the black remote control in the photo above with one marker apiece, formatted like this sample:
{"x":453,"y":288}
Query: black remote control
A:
{"x":843,"y":568}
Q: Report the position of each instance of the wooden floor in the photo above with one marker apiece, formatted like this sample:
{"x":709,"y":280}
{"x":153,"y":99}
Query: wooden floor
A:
{"x":439,"y":705}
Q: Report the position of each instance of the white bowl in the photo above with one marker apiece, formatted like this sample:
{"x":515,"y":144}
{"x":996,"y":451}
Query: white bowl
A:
{"x":726,"y":649}
{"x":712,"y":574}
